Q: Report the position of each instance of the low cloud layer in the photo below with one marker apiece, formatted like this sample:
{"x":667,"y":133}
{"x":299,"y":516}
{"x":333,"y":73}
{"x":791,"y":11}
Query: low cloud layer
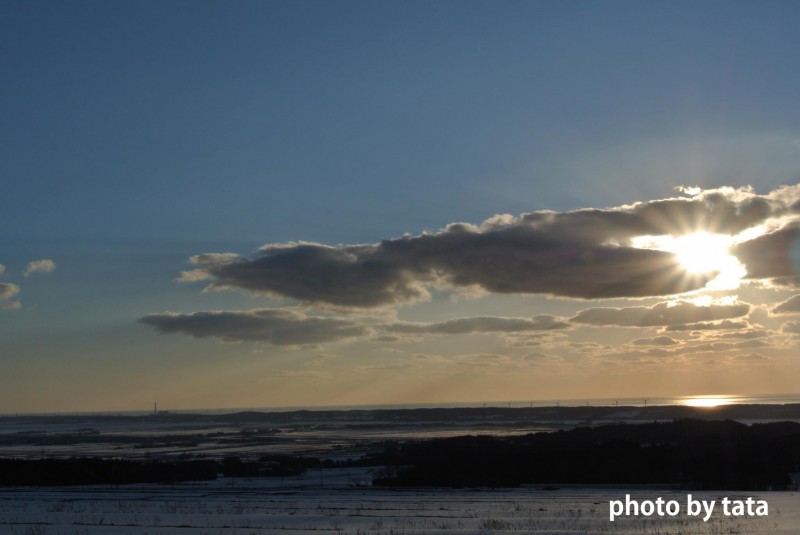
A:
{"x":791,"y":327}
{"x":724,"y":325}
{"x":480,"y":324}
{"x":655,"y":341}
{"x":288,"y":327}
{"x":273,"y":326}
{"x":629,"y":251}
{"x":585,"y":254}
{"x":659,"y":315}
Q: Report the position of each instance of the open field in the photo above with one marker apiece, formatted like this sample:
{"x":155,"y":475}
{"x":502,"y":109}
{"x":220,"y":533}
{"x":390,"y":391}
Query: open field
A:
{"x":336,"y":503}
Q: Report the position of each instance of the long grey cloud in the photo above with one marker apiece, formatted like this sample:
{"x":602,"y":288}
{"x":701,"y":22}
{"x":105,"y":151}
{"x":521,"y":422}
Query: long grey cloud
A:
{"x":659,"y":315}
{"x":655,"y":341}
{"x":581,"y":254}
{"x":480,"y":324}
{"x":274,"y":326}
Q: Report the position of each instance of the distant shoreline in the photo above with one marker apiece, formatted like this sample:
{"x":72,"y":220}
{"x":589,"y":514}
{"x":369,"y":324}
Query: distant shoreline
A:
{"x":640,"y":401}
{"x":590,"y":414}
{"x":327,"y":434}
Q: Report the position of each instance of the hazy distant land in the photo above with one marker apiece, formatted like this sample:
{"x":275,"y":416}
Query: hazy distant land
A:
{"x":322,"y":433}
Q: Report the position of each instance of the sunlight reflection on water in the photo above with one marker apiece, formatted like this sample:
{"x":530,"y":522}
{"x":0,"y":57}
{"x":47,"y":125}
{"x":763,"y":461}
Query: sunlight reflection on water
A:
{"x":710,"y":401}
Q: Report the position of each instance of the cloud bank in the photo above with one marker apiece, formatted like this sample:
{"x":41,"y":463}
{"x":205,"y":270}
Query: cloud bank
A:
{"x":589,"y":254}
{"x":659,"y":315}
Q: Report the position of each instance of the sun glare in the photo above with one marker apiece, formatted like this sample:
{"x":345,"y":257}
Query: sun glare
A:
{"x":707,"y":401}
{"x":701,"y":253}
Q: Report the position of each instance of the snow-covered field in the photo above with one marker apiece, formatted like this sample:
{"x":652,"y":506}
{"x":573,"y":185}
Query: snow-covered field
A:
{"x":336,"y":501}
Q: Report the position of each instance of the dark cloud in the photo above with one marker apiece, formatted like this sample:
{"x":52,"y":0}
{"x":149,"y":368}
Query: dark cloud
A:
{"x":640,"y":356}
{"x":274,"y":326}
{"x":388,"y":338}
{"x":660,"y":314}
{"x":585,"y":253}
{"x":725,"y":346}
{"x":529,"y":339}
{"x":791,"y":327}
{"x":480,"y":324}
{"x":541,"y":358}
{"x":724,"y":210}
{"x":517,"y":259}
{"x":749,"y":334}
{"x":790,"y":306}
{"x":589,"y":347}
{"x":751,"y":344}
{"x":774,"y":256}
{"x":656,"y":341}
{"x":582,"y":254}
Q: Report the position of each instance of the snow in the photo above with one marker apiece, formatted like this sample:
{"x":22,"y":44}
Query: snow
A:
{"x":339,"y":501}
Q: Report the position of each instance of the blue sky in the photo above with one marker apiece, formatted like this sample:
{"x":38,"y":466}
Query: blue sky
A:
{"x":138,"y":134}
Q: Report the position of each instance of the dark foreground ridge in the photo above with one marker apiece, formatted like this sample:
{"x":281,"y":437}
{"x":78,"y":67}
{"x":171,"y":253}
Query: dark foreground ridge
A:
{"x":94,"y":471}
{"x":689,"y":454}
{"x":98,"y":471}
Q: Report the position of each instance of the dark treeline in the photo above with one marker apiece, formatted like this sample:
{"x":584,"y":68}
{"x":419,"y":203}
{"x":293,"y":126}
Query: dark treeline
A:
{"x":691,"y":454}
{"x":98,"y":471}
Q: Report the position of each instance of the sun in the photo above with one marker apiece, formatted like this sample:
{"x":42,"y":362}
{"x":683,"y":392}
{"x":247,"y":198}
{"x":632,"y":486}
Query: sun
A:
{"x":701,"y":253}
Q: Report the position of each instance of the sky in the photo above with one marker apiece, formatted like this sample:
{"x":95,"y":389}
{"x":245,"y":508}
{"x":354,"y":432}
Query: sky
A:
{"x":271,"y":204}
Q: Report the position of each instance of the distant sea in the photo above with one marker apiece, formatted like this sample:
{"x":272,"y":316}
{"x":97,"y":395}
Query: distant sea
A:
{"x":726,"y":399}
